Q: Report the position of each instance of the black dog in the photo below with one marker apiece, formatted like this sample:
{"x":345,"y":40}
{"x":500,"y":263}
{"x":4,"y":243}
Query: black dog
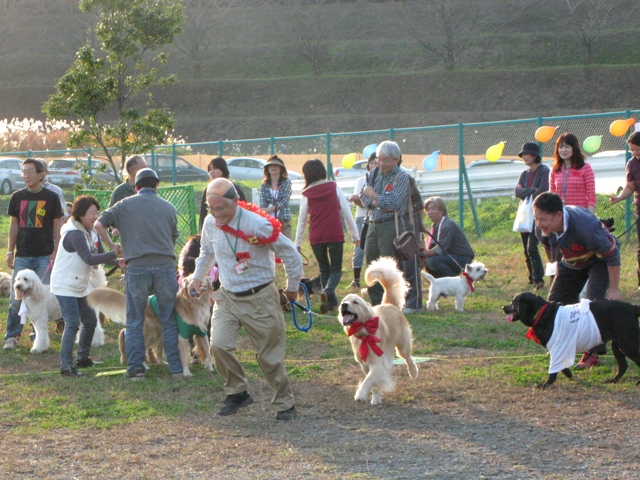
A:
{"x":616,"y":321}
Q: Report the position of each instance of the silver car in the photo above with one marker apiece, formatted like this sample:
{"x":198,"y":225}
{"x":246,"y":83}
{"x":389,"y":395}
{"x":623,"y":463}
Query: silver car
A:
{"x":10,"y":175}
{"x":247,"y":168}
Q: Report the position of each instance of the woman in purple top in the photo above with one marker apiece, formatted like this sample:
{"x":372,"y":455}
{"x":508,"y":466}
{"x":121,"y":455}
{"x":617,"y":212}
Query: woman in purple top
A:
{"x":632,"y":187}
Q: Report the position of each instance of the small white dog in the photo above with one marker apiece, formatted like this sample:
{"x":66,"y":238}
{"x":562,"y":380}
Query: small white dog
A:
{"x":459,"y":287}
{"x":377,"y":333}
{"x":40,"y":304}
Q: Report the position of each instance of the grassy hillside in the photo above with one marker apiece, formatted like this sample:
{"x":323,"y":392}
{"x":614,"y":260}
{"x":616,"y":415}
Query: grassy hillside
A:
{"x":253,"y":83}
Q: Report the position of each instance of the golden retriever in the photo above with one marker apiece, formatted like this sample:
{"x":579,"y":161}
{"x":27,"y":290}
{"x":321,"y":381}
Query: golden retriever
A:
{"x":377,"y":332}
{"x":194,"y":311}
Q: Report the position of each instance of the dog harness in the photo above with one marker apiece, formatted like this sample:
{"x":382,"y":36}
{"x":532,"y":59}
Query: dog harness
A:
{"x":469,"y":280}
{"x":575,"y":330}
{"x":368,"y":341}
{"x":184,"y":329}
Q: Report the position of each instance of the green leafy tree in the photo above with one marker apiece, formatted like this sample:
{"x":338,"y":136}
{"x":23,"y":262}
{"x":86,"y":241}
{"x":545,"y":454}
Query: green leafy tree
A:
{"x":100,"y":91}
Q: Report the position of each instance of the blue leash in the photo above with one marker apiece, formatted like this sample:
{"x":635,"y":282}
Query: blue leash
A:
{"x":306,"y":309}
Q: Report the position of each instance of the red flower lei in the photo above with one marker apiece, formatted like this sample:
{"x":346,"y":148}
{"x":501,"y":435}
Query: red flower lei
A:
{"x":255,"y":240}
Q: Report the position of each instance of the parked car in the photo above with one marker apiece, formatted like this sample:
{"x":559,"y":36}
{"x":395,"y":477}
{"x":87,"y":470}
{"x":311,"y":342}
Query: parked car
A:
{"x":246,"y":168}
{"x":359,"y":169}
{"x":503,"y":162}
{"x":185,"y":172}
{"x":65,"y":172}
{"x":10,"y":175}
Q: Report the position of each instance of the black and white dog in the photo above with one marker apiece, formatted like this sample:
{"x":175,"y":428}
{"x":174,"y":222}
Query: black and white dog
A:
{"x":567,"y":329}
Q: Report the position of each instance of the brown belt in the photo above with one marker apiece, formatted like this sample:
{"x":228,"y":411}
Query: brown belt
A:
{"x":251,"y":291}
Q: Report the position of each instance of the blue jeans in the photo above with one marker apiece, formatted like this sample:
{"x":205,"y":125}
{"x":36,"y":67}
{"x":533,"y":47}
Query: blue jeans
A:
{"x":38,"y":265}
{"x":141,"y":282}
{"x":445,"y":265}
{"x":358,"y":253}
{"x":75,"y":310}
{"x":329,"y":257}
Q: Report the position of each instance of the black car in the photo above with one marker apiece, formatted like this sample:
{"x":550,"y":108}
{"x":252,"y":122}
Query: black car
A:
{"x":185,"y":172}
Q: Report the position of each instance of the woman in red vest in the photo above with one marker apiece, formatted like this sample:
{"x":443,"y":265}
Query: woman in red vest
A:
{"x":326,"y":206}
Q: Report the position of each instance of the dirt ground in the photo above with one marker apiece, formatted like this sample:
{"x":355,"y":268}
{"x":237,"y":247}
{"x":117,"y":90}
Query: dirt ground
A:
{"x":443,"y":425}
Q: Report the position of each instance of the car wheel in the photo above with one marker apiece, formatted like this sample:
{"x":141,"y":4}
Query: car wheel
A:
{"x":5,"y":188}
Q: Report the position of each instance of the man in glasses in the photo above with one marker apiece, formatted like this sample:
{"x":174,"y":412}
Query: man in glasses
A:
{"x":245,"y":244}
{"x":34,"y":234}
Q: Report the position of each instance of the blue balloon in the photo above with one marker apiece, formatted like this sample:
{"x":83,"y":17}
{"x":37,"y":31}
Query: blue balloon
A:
{"x":368,"y":150}
{"x":430,"y":162}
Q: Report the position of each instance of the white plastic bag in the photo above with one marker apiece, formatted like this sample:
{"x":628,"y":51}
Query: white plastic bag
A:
{"x":524,"y":217}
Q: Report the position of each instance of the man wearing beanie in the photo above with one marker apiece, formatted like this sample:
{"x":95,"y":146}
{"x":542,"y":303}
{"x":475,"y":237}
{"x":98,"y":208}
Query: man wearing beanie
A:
{"x":148,"y":228}
{"x":532,"y":182}
{"x":245,"y":243}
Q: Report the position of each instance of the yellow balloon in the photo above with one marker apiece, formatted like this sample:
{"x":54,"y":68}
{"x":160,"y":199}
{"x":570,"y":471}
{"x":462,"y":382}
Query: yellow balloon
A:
{"x":348,"y":160}
{"x":494,"y":152}
{"x":545,"y":133}
{"x":620,"y":127}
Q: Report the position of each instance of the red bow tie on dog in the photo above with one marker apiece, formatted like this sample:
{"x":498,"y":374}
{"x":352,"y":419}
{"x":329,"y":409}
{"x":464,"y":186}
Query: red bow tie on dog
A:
{"x":368,"y":341}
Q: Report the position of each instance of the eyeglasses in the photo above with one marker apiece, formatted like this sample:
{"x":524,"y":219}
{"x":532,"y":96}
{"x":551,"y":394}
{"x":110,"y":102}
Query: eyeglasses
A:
{"x":385,"y":159}
{"x":29,"y":172}
{"x":216,"y":209}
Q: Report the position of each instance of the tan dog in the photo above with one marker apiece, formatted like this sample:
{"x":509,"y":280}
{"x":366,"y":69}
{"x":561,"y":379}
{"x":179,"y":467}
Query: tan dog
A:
{"x":194,"y":311}
{"x":5,"y":284}
{"x":113,"y":305}
{"x":377,"y":332}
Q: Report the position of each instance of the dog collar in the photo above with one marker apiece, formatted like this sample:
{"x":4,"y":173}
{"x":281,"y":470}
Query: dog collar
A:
{"x":469,"y":281}
{"x":531,"y":334}
{"x":371,"y":326}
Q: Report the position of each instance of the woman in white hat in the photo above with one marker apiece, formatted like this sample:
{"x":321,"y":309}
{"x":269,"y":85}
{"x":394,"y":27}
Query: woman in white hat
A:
{"x":275,"y":193}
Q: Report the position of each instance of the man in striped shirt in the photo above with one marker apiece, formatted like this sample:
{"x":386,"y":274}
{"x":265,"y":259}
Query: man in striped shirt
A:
{"x":245,"y":244}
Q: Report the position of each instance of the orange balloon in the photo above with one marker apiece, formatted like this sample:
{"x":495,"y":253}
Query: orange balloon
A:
{"x":545,"y":133}
{"x":620,"y":127}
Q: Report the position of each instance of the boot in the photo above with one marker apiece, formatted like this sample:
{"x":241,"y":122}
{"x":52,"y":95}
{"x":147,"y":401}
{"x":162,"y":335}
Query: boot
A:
{"x":356,"y":278}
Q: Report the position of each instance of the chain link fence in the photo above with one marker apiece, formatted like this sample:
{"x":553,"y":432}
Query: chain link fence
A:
{"x":446,"y":160}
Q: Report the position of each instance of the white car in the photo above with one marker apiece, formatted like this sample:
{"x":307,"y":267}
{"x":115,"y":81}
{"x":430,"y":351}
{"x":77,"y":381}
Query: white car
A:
{"x":359,"y":169}
{"x":247,"y":168}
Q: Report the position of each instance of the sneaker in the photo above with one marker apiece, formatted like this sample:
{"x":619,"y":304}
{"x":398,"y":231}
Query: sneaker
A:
{"x":71,"y":372}
{"x":408,"y":310}
{"x":134,"y":375}
{"x":235,"y":402}
{"x":86,"y":362}
{"x":355,"y":284}
{"x":11,"y":343}
{"x":588,"y":360}
{"x":324,"y":303}
{"x":285,"y":415}
{"x":538,"y":286}
{"x":178,"y":376}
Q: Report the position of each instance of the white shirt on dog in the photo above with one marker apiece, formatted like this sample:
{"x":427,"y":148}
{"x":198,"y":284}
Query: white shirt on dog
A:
{"x":575,"y":330}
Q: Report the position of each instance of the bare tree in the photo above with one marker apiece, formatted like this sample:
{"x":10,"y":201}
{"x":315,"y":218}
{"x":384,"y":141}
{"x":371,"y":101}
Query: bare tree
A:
{"x":591,"y":17}
{"x":199,"y":35}
{"x":304,"y":22}
{"x":446,"y":27}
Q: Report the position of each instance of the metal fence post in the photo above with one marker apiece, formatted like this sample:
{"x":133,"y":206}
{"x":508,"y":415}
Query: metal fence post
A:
{"x":272,"y":145}
{"x":460,"y":172}
{"x":329,"y":165}
{"x":173,"y":163}
{"x":220,"y":148}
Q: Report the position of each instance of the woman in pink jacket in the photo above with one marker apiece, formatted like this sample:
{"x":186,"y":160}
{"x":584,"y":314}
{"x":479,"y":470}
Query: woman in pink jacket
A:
{"x":570,"y":176}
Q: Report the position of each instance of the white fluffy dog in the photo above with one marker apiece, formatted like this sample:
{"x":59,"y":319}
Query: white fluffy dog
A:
{"x":40,"y":304}
{"x":376,"y":333}
{"x":459,"y":287}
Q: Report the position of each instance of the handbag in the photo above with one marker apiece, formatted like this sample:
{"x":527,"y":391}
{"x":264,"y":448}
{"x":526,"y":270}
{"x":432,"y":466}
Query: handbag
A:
{"x":406,"y":243}
{"x":524,"y":218}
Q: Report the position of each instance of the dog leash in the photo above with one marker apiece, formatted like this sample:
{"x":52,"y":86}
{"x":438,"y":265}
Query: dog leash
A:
{"x":306,"y":309}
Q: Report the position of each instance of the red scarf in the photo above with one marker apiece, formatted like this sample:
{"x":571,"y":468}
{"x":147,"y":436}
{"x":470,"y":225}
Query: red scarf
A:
{"x":255,"y":240}
{"x":469,"y":281}
{"x":531,"y":334}
{"x":368,"y":341}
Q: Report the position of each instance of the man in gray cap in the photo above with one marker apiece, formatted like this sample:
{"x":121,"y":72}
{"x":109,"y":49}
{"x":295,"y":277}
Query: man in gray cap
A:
{"x":148,"y":228}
